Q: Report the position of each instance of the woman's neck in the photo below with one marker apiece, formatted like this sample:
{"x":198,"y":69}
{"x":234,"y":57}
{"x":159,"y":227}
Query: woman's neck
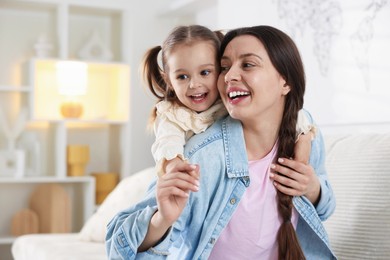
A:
{"x":260,"y":139}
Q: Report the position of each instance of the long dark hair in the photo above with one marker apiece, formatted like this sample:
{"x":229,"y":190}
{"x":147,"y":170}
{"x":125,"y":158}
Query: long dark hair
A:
{"x":286,"y":59}
{"x":154,"y":74}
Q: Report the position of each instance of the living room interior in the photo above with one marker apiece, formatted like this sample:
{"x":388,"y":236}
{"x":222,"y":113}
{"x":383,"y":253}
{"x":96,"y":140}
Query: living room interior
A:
{"x":84,"y":146}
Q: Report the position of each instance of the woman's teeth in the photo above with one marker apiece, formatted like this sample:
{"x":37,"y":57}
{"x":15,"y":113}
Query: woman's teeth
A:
{"x":235,"y":94}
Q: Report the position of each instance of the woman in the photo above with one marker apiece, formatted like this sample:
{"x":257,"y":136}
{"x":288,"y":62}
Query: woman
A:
{"x":229,"y":207}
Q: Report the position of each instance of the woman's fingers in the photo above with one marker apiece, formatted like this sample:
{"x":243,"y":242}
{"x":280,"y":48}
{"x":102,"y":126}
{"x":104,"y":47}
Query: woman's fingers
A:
{"x":288,"y":179}
{"x":295,"y":179}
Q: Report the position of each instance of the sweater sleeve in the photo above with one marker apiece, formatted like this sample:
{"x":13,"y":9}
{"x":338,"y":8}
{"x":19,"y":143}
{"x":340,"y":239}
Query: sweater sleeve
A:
{"x":169,"y":142}
{"x":304,"y":125}
{"x":327,"y":202}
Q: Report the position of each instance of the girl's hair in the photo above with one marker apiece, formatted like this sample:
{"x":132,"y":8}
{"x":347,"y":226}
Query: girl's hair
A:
{"x":286,"y":59}
{"x":182,"y":35}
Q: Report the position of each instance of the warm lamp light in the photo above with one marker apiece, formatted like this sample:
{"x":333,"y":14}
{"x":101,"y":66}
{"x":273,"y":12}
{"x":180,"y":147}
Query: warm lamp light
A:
{"x":72,"y":80}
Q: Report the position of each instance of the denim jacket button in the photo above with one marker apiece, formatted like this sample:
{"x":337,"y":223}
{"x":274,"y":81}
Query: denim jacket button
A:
{"x":232,"y":201}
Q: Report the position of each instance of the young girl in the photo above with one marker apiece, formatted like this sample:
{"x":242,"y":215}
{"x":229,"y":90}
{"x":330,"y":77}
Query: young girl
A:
{"x":188,"y":96}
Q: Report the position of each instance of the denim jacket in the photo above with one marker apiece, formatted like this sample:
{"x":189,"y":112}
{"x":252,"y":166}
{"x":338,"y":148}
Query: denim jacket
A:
{"x":221,"y":155}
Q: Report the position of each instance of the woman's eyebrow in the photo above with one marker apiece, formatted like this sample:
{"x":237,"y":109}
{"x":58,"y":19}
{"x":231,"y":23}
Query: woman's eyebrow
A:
{"x":245,"y":55}
{"x":224,"y":58}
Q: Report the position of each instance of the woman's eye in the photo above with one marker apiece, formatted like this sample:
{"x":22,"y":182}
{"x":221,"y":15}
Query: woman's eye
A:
{"x":224,"y":69}
{"x":247,"y":65}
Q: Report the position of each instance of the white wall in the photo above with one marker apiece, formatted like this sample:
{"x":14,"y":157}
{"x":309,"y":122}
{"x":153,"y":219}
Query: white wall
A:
{"x":344,"y":45}
{"x":146,"y":29}
{"x":346,"y":75}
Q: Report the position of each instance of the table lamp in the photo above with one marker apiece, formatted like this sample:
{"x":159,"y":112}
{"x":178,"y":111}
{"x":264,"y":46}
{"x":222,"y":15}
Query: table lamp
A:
{"x":72,"y":80}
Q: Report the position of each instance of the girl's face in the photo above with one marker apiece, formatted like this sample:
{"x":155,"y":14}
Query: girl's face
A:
{"x":193,"y":75}
{"x":250,"y":87}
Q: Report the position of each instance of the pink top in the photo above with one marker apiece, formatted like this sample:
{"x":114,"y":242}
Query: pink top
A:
{"x":251,"y":232}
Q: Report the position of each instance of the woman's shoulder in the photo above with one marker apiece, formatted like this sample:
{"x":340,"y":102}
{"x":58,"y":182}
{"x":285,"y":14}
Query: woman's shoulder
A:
{"x":223,"y":126}
{"x":214,"y":131}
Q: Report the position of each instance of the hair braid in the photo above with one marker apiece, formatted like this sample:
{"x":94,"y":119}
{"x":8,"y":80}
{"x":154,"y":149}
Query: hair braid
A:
{"x":288,"y":244}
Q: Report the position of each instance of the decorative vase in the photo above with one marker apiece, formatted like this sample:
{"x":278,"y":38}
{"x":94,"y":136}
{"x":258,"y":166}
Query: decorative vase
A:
{"x":77,"y":159}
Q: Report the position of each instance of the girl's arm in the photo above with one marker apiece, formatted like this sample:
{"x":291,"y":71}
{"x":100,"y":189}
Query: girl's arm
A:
{"x":146,"y":225}
{"x":305,"y":132}
{"x":299,"y":179}
{"x":309,"y":180}
{"x":168,"y":146}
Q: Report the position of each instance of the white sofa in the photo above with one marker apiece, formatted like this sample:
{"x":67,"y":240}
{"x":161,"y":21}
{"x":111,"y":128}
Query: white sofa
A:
{"x":359,"y":170}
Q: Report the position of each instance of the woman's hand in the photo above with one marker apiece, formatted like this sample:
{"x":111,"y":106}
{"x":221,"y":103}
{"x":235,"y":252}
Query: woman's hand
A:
{"x":173,"y":190}
{"x":296,"y":179}
{"x":172,"y":193}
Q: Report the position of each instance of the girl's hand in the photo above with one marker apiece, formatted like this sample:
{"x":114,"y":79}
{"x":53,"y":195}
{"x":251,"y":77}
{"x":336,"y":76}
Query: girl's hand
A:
{"x":175,"y":163}
{"x":296,"y":179}
{"x":173,"y":190}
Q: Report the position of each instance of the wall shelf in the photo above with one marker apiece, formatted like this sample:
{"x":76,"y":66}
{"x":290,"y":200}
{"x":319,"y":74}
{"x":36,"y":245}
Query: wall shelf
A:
{"x":81,"y":191}
{"x":15,"y":88}
{"x":7,"y":240}
{"x":28,"y":82}
{"x":107,"y":93}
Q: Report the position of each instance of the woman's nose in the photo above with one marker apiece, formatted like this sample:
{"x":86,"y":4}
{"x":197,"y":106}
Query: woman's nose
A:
{"x":232,"y":75}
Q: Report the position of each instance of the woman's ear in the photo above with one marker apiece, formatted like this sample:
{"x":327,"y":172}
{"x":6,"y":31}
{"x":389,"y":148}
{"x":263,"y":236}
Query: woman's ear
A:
{"x":286,"y":89}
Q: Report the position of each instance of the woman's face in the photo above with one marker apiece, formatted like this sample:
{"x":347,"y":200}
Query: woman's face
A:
{"x":249,"y":85}
{"x":193,"y":75}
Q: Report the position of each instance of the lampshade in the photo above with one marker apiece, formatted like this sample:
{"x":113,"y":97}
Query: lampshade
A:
{"x":72,"y":78}
{"x":72,"y":82}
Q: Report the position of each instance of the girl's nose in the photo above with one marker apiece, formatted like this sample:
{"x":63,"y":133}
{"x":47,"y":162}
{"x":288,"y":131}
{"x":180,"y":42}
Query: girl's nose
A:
{"x":194,"y":83}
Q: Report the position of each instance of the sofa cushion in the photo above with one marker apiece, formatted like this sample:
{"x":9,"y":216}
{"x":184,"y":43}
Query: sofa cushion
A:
{"x":359,"y":171}
{"x":128,"y":192}
{"x":56,"y":247}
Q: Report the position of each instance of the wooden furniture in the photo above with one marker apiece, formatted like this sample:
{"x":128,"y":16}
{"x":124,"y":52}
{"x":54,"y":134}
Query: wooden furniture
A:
{"x":105,"y":183}
{"x":53,"y":208}
{"x":81,"y":192}
{"x":25,"y":222}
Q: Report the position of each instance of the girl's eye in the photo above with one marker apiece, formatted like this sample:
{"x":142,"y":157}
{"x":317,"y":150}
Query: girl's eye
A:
{"x":182,"y":77}
{"x":205,"y":72}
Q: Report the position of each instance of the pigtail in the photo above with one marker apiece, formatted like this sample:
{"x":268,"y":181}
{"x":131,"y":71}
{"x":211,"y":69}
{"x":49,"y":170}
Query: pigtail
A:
{"x":154,"y":79}
{"x":153,"y":74}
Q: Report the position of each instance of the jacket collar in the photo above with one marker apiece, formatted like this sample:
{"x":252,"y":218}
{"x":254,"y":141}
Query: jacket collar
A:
{"x":235,"y":149}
